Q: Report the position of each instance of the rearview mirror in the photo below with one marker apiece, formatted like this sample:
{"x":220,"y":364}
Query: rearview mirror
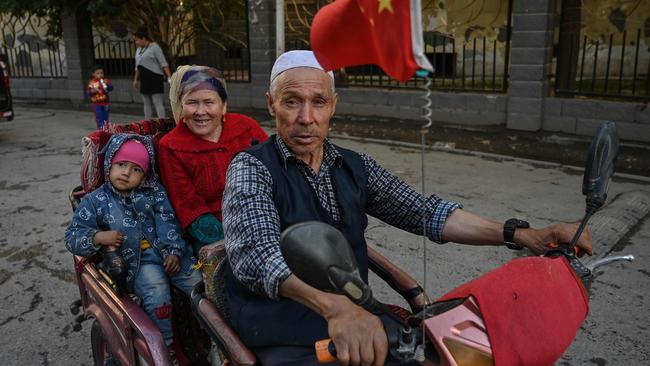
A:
{"x":320,"y":256}
{"x":600,"y":166}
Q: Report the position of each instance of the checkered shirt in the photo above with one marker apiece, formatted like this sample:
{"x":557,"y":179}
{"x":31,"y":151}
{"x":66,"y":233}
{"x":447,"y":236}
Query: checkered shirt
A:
{"x":252,"y":225}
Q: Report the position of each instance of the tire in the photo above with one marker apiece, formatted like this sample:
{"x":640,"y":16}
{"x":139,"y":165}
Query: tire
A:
{"x":101,"y":355}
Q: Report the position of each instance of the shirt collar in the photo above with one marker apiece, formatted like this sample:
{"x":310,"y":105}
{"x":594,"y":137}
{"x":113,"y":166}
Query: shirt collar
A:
{"x":331,"y":156}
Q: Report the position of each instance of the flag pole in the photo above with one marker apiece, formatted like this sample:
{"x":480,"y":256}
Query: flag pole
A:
{"x":426,"y":108}
{"x":279,"y":27}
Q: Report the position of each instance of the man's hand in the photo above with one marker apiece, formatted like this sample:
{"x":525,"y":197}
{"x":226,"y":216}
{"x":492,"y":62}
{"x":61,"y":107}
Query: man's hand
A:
{"x":539,"y":240}
{"x":359,"y":336}
{"x":108,"y":238}
{"x":465,"y":227}
{"x":172,"y":263}
{"x":136,"y":84}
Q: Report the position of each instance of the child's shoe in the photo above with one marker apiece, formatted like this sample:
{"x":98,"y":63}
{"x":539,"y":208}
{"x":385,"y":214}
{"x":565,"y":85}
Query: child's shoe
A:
{"x":115,"y":266}
{"x":172,"y":355}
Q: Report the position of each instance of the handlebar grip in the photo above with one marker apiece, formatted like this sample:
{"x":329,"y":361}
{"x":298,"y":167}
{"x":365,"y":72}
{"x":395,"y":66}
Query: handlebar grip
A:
{"x":325,"y":351}
{"x":576,"y":250}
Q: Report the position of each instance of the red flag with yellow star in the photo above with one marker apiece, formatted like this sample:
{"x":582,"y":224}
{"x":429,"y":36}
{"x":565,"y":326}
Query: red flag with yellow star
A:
{"x":387,"y":33}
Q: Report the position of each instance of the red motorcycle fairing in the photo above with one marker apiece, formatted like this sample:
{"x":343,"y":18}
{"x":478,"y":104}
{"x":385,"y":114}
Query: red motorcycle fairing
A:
{"x":532,"y":308}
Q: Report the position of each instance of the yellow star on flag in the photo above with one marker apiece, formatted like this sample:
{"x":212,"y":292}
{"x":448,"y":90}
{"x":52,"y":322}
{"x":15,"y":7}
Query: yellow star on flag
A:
{"x":385,"y":5}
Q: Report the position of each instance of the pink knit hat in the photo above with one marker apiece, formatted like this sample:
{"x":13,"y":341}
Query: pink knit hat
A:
{"x":135,"y":152}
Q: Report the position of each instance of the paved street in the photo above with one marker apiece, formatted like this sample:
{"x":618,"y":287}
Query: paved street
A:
{"x":40,"y":153}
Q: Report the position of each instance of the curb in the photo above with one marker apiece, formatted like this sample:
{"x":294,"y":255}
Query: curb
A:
{"x":540,"y":163}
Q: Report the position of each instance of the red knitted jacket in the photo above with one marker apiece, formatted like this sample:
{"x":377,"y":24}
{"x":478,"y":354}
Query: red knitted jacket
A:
{"x":193,"y":170}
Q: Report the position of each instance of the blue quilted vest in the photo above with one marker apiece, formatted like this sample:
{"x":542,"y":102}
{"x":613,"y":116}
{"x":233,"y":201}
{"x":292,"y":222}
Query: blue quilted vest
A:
{"x":264,"y":322}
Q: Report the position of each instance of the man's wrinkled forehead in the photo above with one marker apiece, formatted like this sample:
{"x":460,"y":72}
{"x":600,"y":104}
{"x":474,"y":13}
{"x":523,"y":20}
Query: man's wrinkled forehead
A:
{"x":302,"y":81}
{"x":294,"y":59}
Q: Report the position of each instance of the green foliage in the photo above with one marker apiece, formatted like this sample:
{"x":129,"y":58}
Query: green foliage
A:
{"x":171,"y":23}
{"x":105,"y":8}
{"x":18,"y":15}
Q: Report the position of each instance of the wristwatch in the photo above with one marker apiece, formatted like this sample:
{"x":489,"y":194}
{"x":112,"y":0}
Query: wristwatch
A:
{"x":509,"y":228}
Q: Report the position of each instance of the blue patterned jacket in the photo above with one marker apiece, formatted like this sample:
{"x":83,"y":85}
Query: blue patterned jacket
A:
{"x":146,"y":212}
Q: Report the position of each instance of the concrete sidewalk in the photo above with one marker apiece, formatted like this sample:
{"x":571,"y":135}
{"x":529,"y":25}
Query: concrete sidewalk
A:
{"x":39,"y":165}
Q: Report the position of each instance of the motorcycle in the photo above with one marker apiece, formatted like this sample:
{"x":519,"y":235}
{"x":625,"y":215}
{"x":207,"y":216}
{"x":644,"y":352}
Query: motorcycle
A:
{"x":122,"y":334}
{"x":525,"y":312}
{"x":455,"y":330}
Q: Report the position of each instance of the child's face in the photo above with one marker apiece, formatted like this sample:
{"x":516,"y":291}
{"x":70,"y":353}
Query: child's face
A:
{"x":98,"y":74}
{"x":125,"y":176}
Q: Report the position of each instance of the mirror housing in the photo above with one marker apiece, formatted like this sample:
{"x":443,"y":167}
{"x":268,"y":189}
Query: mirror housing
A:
{"x":320,"y":256}
{"x":600,"y":166}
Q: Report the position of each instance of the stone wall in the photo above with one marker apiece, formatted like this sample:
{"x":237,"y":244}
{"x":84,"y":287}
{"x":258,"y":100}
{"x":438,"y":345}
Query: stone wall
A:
{"x":583,"y":116}
{"x":529,"y":62}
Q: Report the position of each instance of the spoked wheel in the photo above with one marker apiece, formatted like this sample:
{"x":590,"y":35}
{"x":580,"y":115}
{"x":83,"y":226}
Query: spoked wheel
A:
{"x":101,"y":355}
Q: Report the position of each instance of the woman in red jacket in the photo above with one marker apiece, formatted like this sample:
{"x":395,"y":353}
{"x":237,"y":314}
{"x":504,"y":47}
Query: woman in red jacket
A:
{"x":194,"y":156}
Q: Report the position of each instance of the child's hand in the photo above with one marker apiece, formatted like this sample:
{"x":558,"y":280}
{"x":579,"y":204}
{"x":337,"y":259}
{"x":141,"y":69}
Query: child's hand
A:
{"x":108,"y":238}
{"x":172,"y":264}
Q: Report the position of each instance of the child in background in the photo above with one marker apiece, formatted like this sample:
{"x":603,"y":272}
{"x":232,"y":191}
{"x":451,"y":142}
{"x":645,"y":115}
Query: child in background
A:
{"x":131,"y":213}
{"x":98,"y":88}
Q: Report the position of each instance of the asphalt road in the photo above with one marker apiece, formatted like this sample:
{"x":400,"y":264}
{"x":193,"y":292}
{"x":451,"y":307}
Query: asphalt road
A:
{"x":40,"y":152}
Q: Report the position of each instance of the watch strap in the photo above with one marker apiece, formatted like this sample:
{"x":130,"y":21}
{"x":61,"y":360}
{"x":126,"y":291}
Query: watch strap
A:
{"x":509,"y":228}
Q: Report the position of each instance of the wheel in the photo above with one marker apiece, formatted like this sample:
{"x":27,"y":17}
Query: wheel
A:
{"x":101,"y":355}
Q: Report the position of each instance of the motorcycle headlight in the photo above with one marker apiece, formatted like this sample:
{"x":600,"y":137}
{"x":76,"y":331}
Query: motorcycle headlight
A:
{"x":466,"y":355}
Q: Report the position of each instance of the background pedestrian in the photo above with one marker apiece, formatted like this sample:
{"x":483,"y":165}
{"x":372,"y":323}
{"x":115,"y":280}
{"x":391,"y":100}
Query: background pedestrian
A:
{"x":98,"y":88}
{"x":151,"y":68}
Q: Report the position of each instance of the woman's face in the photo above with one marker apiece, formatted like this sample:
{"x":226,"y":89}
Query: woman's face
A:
{"x":140,"y":42}
{"x":203,"y":111}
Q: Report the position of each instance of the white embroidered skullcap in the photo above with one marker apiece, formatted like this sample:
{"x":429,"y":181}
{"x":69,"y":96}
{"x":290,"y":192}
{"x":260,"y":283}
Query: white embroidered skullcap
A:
{"x":298,"y":58}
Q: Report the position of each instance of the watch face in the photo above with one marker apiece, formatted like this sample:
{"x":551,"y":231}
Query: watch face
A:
{"x":515,"y":223}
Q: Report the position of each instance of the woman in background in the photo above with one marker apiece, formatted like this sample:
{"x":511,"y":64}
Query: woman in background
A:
{"x":151,"y":69}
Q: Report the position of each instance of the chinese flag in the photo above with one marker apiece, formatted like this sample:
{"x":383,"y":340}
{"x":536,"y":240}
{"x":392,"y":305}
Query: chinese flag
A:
{"x":387,"y":33}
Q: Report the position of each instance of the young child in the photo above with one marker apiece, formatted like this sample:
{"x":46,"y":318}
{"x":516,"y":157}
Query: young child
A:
{"x":131,"y":212}
{"x":98,"y":88}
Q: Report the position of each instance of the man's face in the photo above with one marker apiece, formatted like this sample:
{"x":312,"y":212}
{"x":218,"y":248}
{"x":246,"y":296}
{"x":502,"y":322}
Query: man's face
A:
{"x":302,"y":102}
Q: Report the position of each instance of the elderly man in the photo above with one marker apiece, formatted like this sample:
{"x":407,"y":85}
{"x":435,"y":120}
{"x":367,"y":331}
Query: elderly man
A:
{"x":299,"y":175}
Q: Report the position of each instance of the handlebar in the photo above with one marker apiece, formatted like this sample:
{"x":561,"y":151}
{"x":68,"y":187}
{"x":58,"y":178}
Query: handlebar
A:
{"x":325,"y":351}
{"x":610,"y":259}
{"x":402,"y":341}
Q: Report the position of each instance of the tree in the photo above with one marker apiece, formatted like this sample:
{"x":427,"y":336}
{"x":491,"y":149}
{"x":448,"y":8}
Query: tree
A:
{"x":17,"y":16}
{"x":172,"y":23}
